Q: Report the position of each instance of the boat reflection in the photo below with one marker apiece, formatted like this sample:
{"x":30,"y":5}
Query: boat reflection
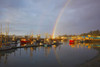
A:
{"x":5,"y":54}
{"x":58,"y":55}
{"x":87,"y":45}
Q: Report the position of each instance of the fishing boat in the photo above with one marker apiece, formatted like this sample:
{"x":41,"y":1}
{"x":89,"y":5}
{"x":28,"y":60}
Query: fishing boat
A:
{"x":24,"y":41}
{"x":71,"y":41}
{"x":3,"y":48}
{"x":5,"y":44}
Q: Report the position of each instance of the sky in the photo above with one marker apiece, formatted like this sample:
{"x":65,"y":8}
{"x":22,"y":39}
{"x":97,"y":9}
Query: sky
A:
{"x":39,"y":16}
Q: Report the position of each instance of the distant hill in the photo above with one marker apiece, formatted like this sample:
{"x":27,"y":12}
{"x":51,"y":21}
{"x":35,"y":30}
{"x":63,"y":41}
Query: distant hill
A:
{"x":94,"y":33}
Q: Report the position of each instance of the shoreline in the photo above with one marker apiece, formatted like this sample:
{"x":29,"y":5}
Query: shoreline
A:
{"x":94,"y":62}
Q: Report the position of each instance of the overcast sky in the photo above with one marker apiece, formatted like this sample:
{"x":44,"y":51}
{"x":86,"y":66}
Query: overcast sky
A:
{"x":39,"y":16}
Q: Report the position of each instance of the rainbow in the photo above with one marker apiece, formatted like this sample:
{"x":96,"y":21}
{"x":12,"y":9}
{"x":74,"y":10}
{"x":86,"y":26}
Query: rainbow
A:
{"x":58,"y":18}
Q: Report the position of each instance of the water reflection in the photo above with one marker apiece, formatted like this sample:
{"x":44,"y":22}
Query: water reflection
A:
{"x":88,"y":45}
{"x":71,"y":55}
{"x":56,"y":55}
{"x":4,"y":55}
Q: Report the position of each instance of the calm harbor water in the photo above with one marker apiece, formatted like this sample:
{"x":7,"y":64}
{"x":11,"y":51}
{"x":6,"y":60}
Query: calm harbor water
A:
{"x":64,"y":55}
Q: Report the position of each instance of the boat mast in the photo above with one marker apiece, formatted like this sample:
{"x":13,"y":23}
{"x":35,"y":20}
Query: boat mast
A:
{"x":6,"y":34}
{"x":7,"y":30}
{"x":1,"y":36}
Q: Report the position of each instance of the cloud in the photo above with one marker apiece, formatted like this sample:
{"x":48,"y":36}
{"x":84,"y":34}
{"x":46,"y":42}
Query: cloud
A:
{"x":12,"y":3}
{"x":80,"y":16}
{"x":40,"y":15}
